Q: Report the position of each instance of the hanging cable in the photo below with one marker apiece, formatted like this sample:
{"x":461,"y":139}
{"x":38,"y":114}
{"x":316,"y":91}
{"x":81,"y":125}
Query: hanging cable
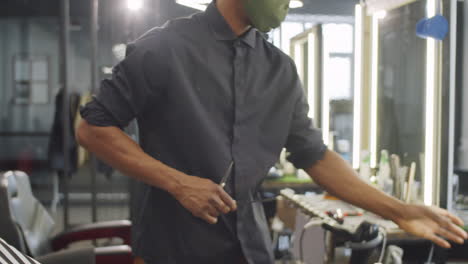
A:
{"x":431,"y":253}
{"x":384,"y":243}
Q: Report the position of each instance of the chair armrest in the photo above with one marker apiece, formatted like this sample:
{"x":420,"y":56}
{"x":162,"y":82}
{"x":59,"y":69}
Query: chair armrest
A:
{"x":70,"y":256}
{"x":102,"y":255}
{"x":109,"y":229}
{"x":114,"y":254}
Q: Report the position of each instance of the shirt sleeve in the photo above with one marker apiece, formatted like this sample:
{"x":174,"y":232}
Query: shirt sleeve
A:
{"x":135,"y":81}
{"x":304,"y":143}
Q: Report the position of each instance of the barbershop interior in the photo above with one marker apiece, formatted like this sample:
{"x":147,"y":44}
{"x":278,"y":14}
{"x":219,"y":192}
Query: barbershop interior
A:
{"x":214,"y":169}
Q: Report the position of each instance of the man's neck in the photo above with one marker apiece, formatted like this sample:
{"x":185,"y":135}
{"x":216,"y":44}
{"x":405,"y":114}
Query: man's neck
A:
{"x":234,"y":14}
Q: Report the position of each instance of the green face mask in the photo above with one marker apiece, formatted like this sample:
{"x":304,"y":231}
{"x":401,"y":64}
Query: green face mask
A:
{"x":266,"y":15}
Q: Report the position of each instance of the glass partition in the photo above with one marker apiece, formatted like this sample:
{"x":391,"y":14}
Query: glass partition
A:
{"x":337,"y":94}
{"x":305,"y":51}
{"x":29,"y":55}
{"x":457,"y":196}
{"x":324,"y":58}
{"x":401,"y":85}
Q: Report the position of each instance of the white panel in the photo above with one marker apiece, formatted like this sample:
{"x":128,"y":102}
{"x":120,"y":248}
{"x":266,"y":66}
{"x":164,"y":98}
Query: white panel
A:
{"x":39,"y":93}
{"x":340,"y":88}
{"x":39,"y":70}
{"x":22,"y":70}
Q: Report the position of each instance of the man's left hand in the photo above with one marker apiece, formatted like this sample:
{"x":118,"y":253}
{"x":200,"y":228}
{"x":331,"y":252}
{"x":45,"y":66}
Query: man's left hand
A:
{"x":432,"y":223}
{"x":337,"y":177}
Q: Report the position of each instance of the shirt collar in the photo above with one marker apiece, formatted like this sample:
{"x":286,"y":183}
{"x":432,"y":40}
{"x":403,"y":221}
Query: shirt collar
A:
{"x":221,"y":29}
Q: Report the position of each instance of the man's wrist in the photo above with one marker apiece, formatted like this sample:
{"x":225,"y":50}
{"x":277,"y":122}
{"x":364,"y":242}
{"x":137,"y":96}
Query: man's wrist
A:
{"x":396,"y":211}
{"x":175,"y":185}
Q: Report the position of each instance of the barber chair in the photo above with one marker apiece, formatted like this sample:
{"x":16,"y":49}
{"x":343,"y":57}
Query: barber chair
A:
{"x":26,"y":225}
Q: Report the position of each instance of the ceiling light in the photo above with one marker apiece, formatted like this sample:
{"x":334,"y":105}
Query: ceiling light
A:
{"x":202,"y":4}
{"x":374,"y":91}
{"x":358,"y":71}
{"x":381,"y":14}
{"x":430,"y":155}
{"x":195,"y":4}
{"x":296,"y":4}
{"x":134,"y":5}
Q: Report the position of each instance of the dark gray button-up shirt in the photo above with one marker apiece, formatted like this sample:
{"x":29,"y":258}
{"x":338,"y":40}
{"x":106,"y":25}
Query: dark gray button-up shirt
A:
{"x":204,"y":97}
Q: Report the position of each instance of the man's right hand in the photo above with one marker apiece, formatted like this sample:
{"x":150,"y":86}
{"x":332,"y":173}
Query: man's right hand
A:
{"x":204,"y":198}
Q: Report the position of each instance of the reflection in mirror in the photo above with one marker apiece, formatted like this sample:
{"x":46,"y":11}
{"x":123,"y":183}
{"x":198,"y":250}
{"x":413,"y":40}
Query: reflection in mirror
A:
{"x":323,"y":54}
{"x":337,"y":94}
{"x":401,"y":85}
{"x":305,"y":53}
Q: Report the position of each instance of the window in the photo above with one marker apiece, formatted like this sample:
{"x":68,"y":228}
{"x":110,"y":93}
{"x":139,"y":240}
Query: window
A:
{"x":324,"y":60}
{"x":31,"y":79}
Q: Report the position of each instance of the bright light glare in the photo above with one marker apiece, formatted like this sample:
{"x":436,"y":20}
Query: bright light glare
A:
{"x":329,"y":75}
{"x":299,"y":60}
{"x":374,"y":90}
{"x":311,"y":89}
{"x":134,"y":5}
{"x":431,"y":8}
{"x":357,"y":87}
{"x":381,"y":14}
{"x":195,"y":4}
{"x":296,"y":4}
{"x":430,"y":105}
{"x":430,"y":113}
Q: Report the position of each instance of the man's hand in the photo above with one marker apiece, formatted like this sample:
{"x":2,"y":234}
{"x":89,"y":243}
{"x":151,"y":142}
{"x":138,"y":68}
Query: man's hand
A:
{"x":338,"y":178}
{"x":204,"y":198}
{"x":432,"y":223}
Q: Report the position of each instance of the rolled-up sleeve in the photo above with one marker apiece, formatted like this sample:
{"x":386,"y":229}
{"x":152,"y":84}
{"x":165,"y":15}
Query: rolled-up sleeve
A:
{"x":304,"y":143}
{"x":135,"y":81}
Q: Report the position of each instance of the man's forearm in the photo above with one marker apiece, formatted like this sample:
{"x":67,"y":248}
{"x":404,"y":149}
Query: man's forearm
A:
{"x":202,"y":197}
{"x":338,"y":178}
{"x":113,"y":146}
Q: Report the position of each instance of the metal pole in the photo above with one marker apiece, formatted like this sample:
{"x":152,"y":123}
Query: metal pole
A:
{"x":463,"y":148}
{"x":66,"y":108}
{"x":94,"y":79}
{"x":452,"y":103}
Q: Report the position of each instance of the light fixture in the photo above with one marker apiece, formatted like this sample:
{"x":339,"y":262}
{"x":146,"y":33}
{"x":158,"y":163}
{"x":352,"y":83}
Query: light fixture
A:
{"x":299,"y":59}
{"x":202,"y":4}
{"x":106,"y":70}
{"x":195,"y":4}
{"x":429,"y":162}
{"x":381,"y":14}
{"x":296,"y":4}
{"x":312,"y":87}
{"x":119,"y":51}
{"x":374,"y":91}
{"x":326,"y":95}
{"x":357,"y":86}
{"x":134,"y":5}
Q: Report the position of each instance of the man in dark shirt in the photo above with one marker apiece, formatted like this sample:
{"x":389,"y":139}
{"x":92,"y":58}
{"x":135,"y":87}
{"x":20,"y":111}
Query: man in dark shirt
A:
{"x":209,"y":91}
